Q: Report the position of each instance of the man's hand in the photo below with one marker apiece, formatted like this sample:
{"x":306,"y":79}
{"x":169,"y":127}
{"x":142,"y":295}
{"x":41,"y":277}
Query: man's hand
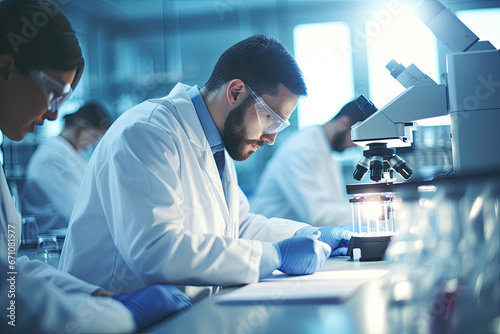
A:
{"x":302,"y":255}
{"x":337,"y":237}
{"x":153,"y":303}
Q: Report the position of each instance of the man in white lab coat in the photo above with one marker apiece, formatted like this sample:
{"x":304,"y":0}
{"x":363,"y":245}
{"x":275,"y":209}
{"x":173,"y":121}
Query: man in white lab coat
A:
{"x":55,"y":171}
{"x":160,"y":200}
{"x":317,"y":195}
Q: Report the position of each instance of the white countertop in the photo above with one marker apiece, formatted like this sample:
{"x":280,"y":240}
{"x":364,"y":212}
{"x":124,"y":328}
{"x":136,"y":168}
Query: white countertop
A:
{"x":360,"y":310}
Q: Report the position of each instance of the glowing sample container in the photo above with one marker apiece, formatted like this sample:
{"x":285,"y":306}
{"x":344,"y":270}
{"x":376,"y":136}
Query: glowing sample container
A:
{"x":373,"y":214}
{"x":373,"y":221}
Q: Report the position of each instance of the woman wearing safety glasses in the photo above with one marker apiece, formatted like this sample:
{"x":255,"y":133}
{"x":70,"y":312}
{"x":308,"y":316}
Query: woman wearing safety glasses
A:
{"x":40,"y":65}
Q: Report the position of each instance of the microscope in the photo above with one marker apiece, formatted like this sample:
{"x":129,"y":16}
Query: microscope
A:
{"x":471,"y":98}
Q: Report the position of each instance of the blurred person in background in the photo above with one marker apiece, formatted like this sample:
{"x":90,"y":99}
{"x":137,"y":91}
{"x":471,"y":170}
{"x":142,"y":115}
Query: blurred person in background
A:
{"x":302,"y":181}
{"x":55,"y":171}
{"x":36,"y":75}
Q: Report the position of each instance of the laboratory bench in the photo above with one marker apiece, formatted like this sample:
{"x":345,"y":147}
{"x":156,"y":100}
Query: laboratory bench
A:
{"x":343,"y":297}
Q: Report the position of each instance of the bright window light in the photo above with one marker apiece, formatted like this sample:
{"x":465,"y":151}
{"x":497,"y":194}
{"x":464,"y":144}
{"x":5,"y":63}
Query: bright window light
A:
{"x":483,"y":23}
{"x":323,"y":52}
{"x":396,"y":33}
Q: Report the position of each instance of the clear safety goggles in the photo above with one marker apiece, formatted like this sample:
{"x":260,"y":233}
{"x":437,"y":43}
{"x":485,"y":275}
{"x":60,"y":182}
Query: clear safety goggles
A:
{"x":91,"y":128}
{"x":270,"y":122}
{"x":55,"y":92}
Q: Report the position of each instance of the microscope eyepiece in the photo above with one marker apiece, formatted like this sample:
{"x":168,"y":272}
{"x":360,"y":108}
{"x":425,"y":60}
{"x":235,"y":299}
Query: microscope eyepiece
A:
{"x":365,"y":105}
{"x":395,"y":68}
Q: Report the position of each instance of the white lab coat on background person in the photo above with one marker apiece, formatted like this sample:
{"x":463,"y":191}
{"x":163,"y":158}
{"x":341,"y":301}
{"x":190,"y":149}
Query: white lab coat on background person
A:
{"x":303,"y":182}
{"x":53,"y":178}
{"x":152,"y":207}
{"x":46,"y":299}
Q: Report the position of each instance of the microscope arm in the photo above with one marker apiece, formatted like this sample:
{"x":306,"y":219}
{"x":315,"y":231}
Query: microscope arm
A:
{"x":393,"y":124}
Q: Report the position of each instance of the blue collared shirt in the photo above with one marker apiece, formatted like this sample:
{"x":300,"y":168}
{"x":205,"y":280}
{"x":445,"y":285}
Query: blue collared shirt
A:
{"x":271,"y":260}
{"x":207,"y":123}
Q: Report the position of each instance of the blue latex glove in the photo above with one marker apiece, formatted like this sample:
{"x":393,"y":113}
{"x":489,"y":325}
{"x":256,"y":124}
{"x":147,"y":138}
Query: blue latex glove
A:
{"x":302,"y":255}
{"x":337,"y":237}
{"x":153,"y":303}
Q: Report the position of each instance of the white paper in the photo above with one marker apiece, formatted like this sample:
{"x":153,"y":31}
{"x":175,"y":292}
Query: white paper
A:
{"x":329,"y":287}
{"x":338,"y":275}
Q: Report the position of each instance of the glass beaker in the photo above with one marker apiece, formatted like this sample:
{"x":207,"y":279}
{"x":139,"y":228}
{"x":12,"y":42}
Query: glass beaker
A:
{"x":373,"y":214}
{"x":29,"y":230}
{"x":48,"y":249}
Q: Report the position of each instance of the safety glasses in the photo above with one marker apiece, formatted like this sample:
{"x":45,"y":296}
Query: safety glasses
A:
{"x":270,"y":122}
{"x":91,"y":128}
{"x":55,"y":92}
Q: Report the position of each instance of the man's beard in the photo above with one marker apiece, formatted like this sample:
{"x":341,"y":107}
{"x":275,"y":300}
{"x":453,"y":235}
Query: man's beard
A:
{"x":234,"y":133}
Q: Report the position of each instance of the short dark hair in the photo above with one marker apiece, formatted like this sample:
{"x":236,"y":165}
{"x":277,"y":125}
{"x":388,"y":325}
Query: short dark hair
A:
{"x":37,"y":35}
{"x":261,"y":62}
{"x":93,"y":112}
{"x":352,"y":111}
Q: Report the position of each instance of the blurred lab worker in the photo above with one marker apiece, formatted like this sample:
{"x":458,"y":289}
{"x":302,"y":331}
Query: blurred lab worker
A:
{"x":303,"y":181}
{"x":160,"y":200}
{"x":36,"y":76}
{"x":55,"y":171}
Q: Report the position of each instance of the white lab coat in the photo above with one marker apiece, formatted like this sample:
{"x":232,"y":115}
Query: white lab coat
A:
{"x":152,"y":207}
{"x":46,"y":299}
{"x":53,"y":178}
{"x":303,"y":182}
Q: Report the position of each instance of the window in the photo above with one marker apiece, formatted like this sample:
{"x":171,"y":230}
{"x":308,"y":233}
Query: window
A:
{"x":483,"y":23}
{"x":323,"y":52}
{"x":396,"y":33}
